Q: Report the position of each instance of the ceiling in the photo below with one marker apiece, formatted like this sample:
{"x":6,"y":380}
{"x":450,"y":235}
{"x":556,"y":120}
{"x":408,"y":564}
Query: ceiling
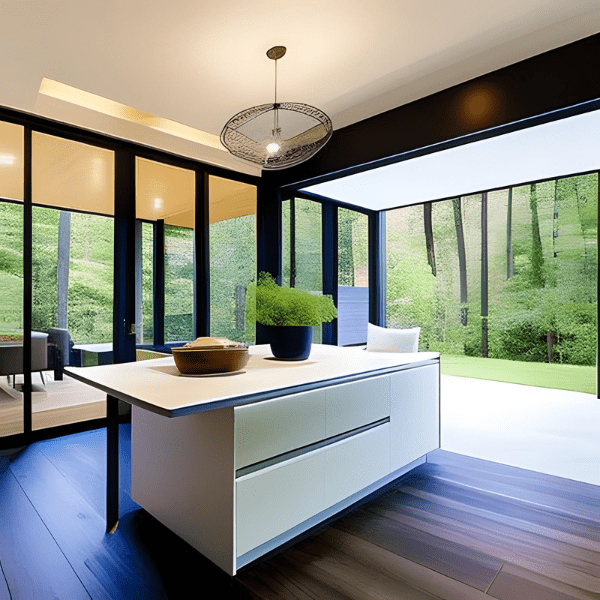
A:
{"x":563,"y":147}
{"x":197,"y":62}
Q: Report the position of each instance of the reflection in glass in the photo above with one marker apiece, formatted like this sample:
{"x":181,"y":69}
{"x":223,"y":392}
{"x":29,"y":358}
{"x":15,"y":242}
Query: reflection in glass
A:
{"x":72,"y":175}
{"x":11,"y":161}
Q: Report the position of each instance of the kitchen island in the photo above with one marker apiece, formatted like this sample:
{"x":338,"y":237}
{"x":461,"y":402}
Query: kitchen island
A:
{"x":238,"y":464}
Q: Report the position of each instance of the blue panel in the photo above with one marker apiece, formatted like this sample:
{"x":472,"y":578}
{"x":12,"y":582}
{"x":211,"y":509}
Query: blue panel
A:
{"x":353,"y":315}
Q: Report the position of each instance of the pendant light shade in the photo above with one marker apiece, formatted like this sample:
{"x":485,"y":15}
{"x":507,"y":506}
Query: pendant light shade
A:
{"x":278,"y":135}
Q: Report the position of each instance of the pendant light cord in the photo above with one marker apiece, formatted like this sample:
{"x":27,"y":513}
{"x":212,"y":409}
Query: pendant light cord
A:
{"x":276,"y":112}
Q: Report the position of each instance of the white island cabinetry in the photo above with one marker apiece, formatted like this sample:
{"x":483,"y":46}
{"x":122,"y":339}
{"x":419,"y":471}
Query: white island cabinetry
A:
{"x":238,"y":465}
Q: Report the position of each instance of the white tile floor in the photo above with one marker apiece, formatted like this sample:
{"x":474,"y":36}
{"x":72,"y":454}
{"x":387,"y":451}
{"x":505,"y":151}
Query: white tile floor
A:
{"x":550,"y":431}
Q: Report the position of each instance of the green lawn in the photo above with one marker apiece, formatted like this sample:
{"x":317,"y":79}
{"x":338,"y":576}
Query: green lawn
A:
{"x":561,"y":377}
{"x":11,"y":303}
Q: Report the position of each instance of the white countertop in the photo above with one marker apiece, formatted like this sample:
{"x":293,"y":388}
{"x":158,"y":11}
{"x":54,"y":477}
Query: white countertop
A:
{"x":158,"y":386}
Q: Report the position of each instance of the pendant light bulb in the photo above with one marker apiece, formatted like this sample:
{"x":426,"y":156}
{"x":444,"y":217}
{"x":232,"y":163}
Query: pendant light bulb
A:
{"x":273,"y":147}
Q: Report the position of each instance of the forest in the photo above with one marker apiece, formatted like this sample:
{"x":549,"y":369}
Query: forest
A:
{"x":88,"y":251}
{"x":510,"y":273}
{"x":507,"y":274}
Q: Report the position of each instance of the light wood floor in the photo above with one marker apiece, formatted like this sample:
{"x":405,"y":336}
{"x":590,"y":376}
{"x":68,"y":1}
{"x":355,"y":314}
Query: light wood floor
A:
{"x":53,"y":404}
{"x":454,"y":528}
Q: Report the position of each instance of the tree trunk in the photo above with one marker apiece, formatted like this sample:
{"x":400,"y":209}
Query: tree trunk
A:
{"x":62,"y":274}
{"x":510,"y":259}
{"x":552,"y":339}
{"x":240,"y":308}
{"x":555,"y":220}
{"x":484,"y":276}
{"x":429,"y":237}
{"x":585,"y":256}
{"x":537,"y":254}
{"x":462,"y":260}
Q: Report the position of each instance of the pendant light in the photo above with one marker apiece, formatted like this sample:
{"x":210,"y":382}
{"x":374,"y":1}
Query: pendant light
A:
{"x":278,"y":135}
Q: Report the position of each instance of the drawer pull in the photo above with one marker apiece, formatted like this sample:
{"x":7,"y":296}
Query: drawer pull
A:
{"x":306,"y":449}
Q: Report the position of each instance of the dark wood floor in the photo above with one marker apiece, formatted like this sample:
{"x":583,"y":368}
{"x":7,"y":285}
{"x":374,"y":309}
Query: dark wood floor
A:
{"x":454,"y":528}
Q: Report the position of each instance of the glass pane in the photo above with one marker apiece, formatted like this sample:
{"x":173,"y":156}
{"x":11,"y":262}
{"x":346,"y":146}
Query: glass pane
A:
{"x":11,"y":315}
{"x":410,"y":281}
{"x":72,"y":266}
{"x":145,"y":317}
{"x":540,"y":284}
{"x":353,"y":277}
{"x":285,"y":242}
{"x":167,"y":193}
{"x":179,"y":283}
{"x":545,"y":307}
{"x":11,"y":161}
{"x":232,"y":214}
{"x":308,"y":251}
{"x":72,"y":175}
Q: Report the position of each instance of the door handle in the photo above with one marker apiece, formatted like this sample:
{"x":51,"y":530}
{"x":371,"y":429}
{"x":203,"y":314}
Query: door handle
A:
{"x":128,"y":330}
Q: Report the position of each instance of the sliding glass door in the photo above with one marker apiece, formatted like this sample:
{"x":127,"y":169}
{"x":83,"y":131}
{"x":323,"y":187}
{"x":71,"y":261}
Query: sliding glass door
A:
{"x":11,"y":278}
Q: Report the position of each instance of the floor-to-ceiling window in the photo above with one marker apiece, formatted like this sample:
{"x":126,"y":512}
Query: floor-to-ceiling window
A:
{"x":507,"y":274}
{"x":302,"y":265}
{"x":11,"y":272}
{"x":72,"y":270}
{"x":232,"y":233}
{"x":165,"y":209}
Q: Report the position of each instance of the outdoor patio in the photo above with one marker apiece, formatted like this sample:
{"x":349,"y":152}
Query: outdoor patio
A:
{"x":53,"y":404}
{"x":556,"y":432}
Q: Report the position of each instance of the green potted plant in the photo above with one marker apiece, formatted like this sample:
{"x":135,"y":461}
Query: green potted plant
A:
{"x":287,"y":316}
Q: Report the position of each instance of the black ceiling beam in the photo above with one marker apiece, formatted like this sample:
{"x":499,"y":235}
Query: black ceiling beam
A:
{"x":553,"y":81}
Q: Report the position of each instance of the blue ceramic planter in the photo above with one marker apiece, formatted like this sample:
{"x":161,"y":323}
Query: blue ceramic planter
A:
{"x":288,"y":342}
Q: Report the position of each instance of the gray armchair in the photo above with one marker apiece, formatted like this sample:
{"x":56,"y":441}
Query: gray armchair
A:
{"x":11,"y":356}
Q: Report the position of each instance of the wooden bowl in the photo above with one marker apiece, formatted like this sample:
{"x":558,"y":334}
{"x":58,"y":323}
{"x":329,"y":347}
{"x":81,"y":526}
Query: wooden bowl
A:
{"x":202,"y":361}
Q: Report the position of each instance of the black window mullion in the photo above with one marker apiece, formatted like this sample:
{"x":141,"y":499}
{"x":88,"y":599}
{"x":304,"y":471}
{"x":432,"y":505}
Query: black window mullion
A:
{"x":202,"y":257}
{"x":124,"y":258}
{"x":329,"y":249}
{"x":158,"y":283}
{"x":377,"y":268}
{"x":27,"y":279}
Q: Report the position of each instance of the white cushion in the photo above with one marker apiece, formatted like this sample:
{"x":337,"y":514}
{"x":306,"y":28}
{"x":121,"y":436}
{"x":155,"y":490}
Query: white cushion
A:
{"x":380,"y":339}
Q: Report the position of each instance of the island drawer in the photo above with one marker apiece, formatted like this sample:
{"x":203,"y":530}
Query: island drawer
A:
{"x":353,"y":405}
{"x":274,"y":427}
{"x":271,"y":501}
{"x":275,"y":499}
{"x":356,"y":462}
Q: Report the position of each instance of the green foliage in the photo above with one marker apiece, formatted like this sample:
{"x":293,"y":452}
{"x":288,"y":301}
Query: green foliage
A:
{"x":11,"y":303}
{"x":232,"y":270}
{"x":552,"y":294}
{"x":277,"y":305}
{"x":537,"y":254}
